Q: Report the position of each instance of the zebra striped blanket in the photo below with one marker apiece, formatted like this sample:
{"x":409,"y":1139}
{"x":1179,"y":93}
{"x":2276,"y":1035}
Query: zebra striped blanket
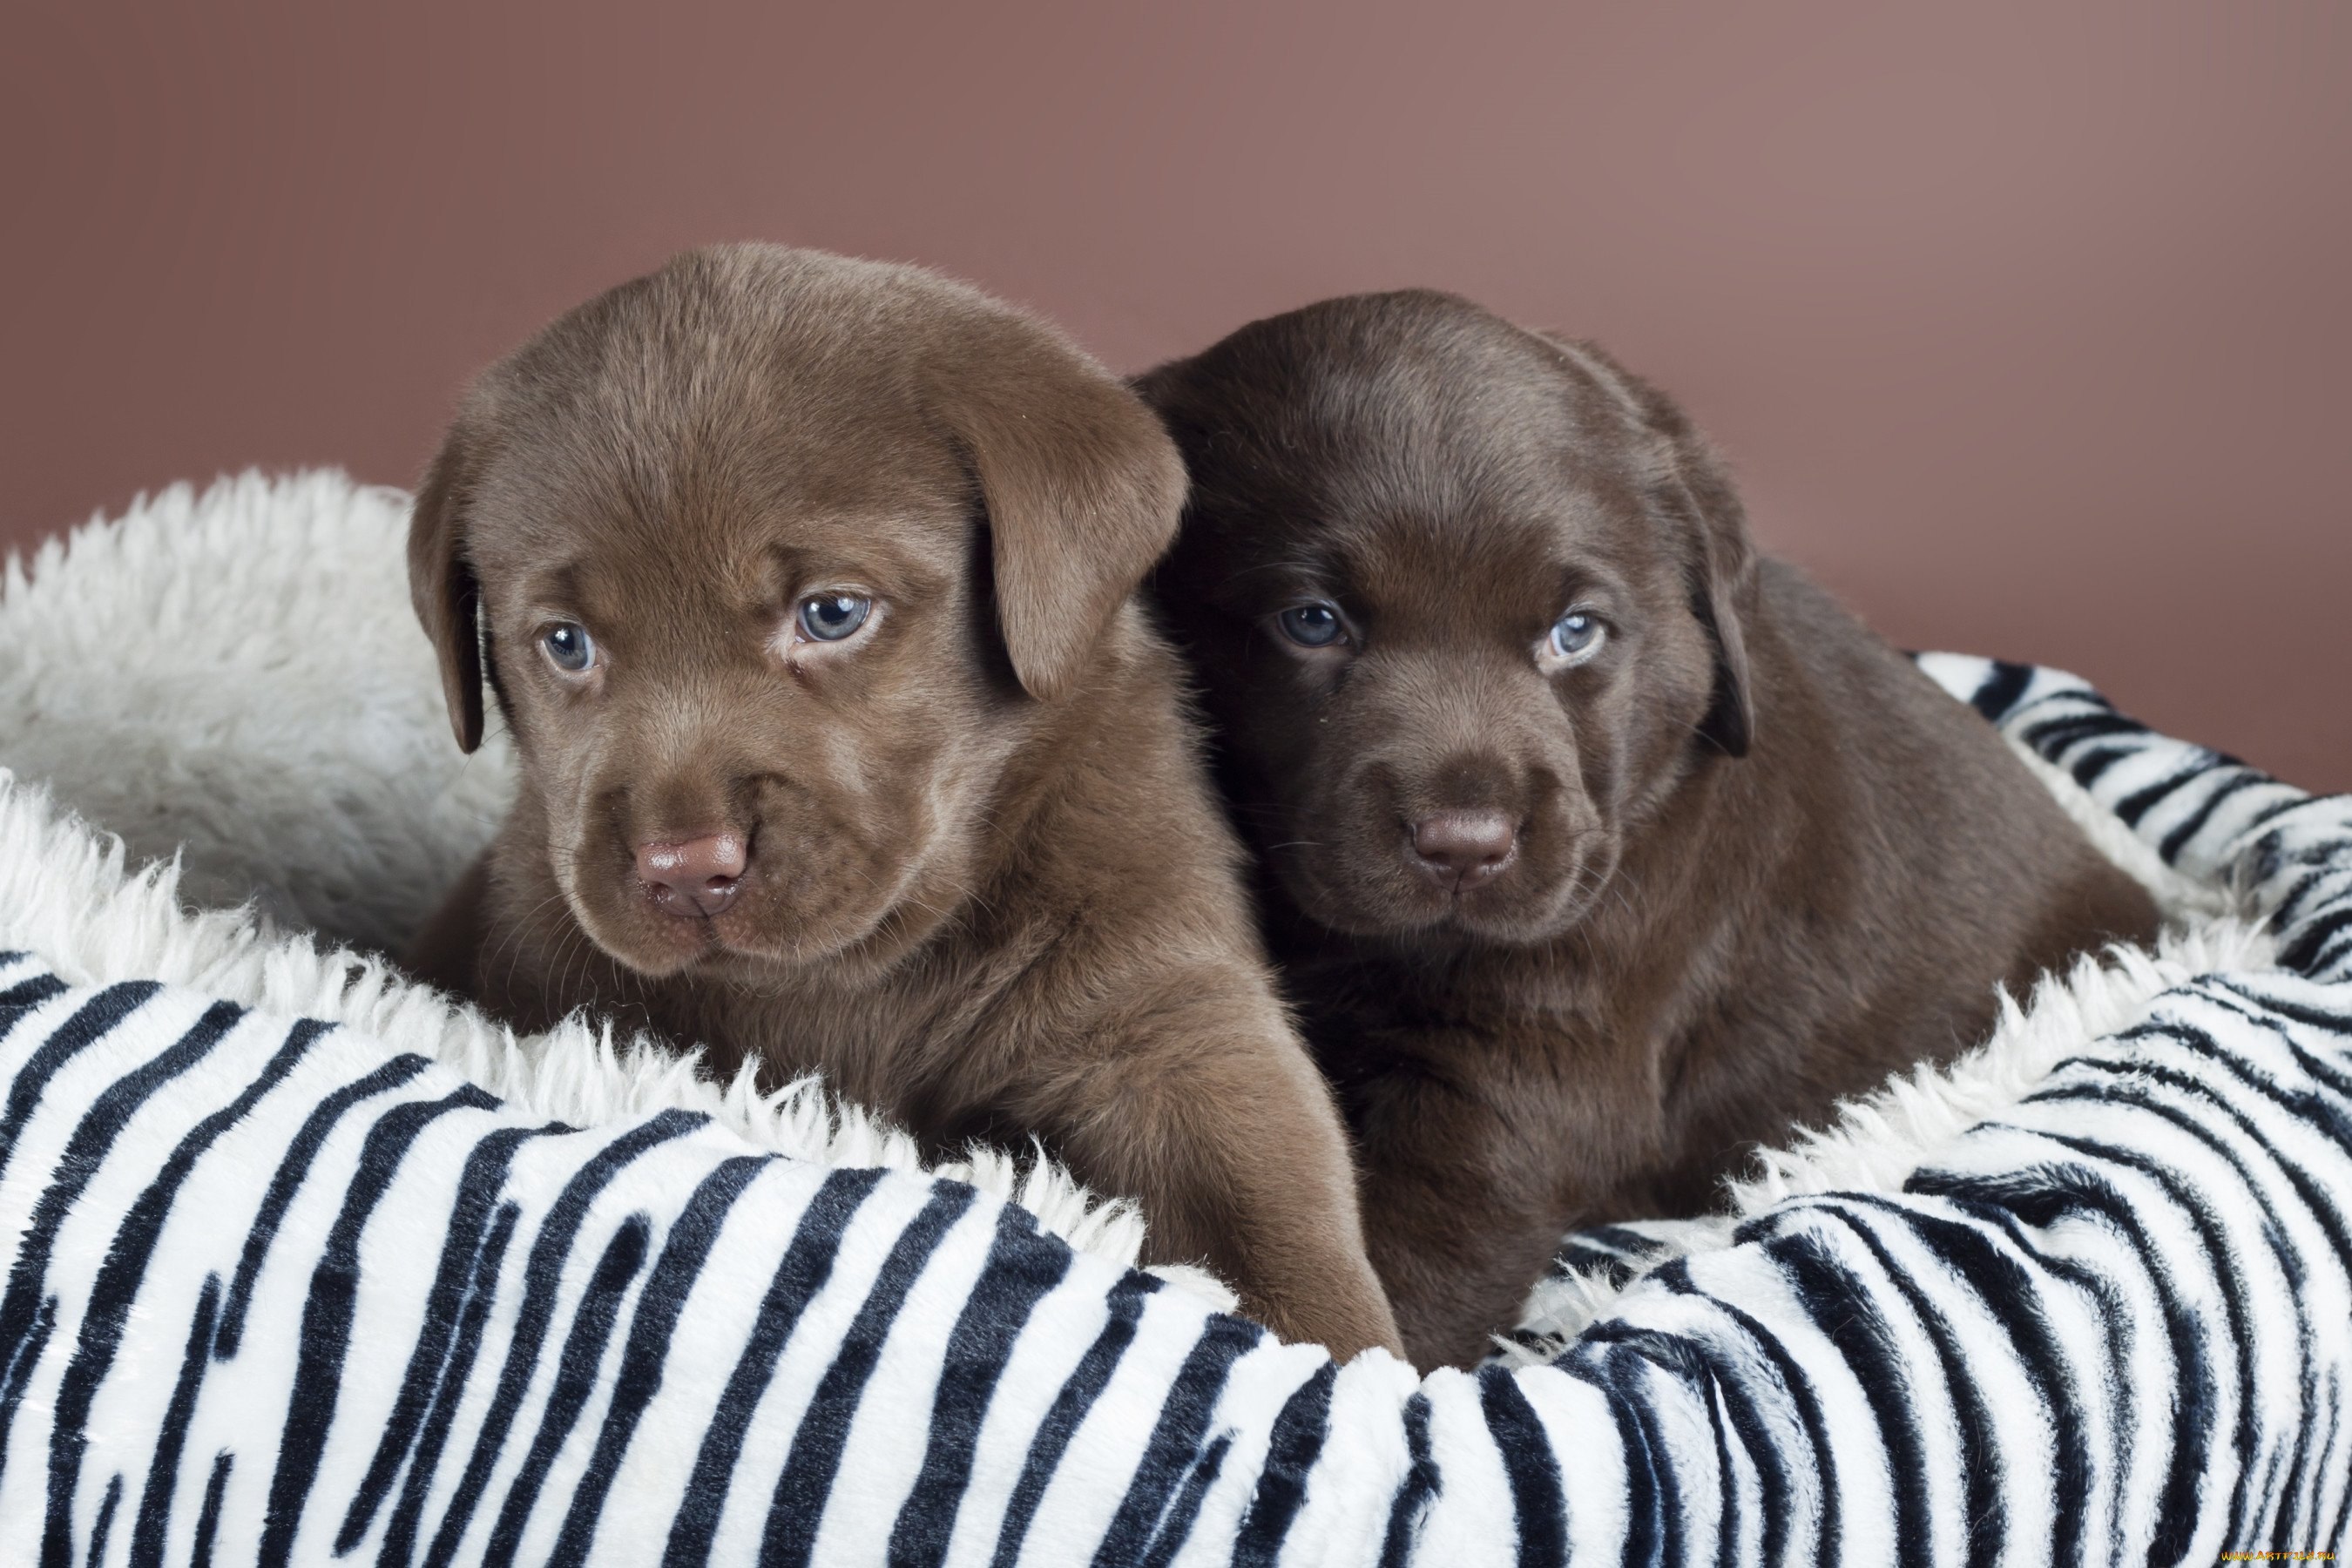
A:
{"x":302,"y":1268}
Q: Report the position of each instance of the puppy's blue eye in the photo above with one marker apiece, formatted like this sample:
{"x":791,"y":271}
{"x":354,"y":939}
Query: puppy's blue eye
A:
{"x":829,"y":618}
{"x":1310,"y":626}
{"x":569,"y":648}
{"x":1575,"y":633}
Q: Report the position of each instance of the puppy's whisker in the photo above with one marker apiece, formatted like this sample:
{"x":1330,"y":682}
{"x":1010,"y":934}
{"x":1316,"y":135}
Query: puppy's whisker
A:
{"x":513,"y":940}
{"x":566,"y":956}
{"x":906,"y":898}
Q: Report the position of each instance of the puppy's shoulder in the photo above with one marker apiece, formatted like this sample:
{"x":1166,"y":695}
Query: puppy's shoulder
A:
{"x":1932,"y":793}
{"x":1140,"y":809}
{"x":1130,"y":852}
{"x":1837,"y":678}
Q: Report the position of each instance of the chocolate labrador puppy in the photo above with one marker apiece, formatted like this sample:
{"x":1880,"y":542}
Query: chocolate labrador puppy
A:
{"x":1599,"y":850}
{"x":805,"y":586}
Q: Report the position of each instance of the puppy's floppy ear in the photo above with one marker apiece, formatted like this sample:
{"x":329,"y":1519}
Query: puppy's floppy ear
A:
{"x":1691,"y":483}
{"x":441,"y":582}
{"x":1082,"y":487}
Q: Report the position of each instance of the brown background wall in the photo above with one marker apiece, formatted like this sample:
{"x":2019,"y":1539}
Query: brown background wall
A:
{"x":2029,"y":326}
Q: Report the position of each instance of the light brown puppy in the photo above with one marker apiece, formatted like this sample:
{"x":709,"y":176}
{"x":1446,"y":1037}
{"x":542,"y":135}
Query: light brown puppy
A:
{"x":804,"y":585}
{"x":1598,"y":851}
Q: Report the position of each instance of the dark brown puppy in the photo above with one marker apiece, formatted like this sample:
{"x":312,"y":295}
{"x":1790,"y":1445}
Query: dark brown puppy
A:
{"x":805,"y":587}
{"x":1598,"y":849}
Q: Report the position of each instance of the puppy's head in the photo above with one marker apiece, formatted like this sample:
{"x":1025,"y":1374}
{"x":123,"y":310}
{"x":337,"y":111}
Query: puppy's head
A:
{"x":1468,"y":601}
{"x":773,"y":560}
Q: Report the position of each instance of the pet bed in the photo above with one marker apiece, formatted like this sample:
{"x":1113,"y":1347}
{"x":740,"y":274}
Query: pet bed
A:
{"x":306,"y":1264}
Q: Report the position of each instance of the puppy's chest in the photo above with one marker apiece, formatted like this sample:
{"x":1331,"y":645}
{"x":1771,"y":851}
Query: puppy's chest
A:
{"x":889,"y":1048}
{"x":1463,"y":1021}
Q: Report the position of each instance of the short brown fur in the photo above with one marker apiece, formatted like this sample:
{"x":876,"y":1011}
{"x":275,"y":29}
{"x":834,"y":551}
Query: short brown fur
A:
{"x":1758,"y":860}
{"x":988,"y":888}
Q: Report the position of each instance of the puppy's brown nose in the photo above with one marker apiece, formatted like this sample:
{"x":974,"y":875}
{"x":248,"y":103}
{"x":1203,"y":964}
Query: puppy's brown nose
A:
{"x":693,"y":876}
{"x":1463,"y":848}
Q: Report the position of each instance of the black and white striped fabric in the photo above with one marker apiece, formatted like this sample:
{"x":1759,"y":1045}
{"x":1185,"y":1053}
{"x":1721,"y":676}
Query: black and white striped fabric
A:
{"x":279,"y":1292}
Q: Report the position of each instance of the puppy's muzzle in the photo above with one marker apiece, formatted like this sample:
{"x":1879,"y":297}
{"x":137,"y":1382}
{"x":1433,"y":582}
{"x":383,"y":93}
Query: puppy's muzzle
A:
{"x":1464,"y":848}
{"x":694,"y":878}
